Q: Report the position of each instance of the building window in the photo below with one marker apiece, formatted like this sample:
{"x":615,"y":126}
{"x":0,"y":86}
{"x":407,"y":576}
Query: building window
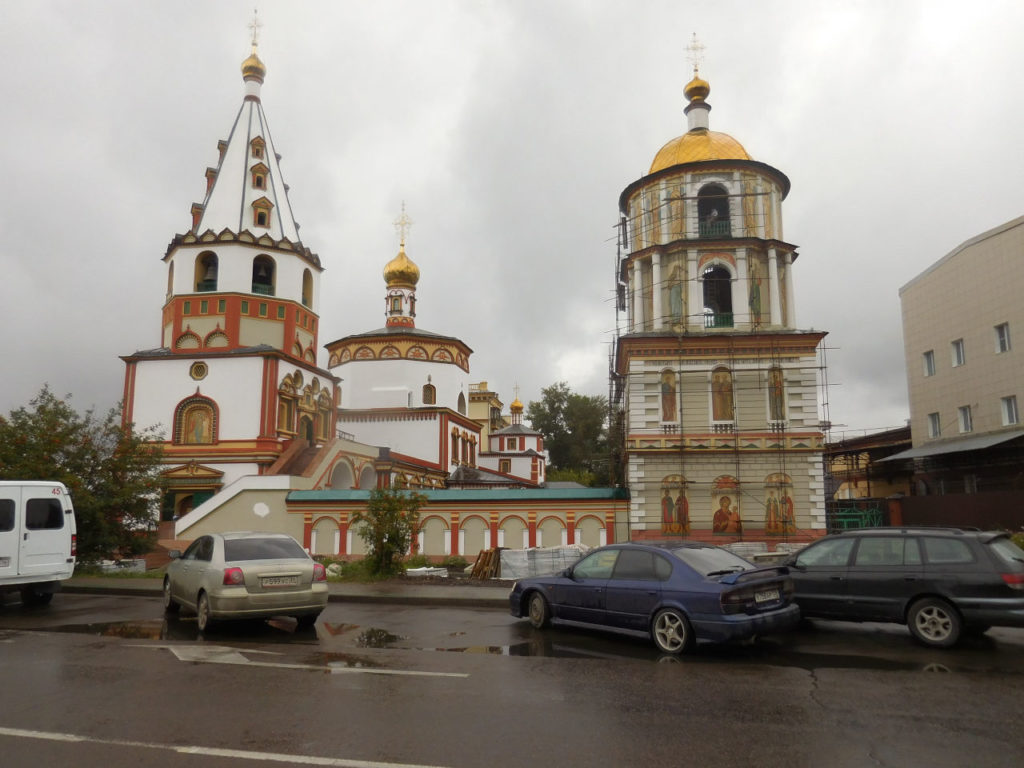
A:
{"x":957,"y":349}
{"x":964,"y":417}
{"x":934,"y":425}
{"x":429,"y":394}
{"x":204,"y":307}
{"x":970,"y":483}
{"x":221,"y":305}
{"x":187,"y":308}
{"x":257,"y":146}
{"x":245,"y":307}
{"x":505,"y":465}
{"x":1002,"y":338}
{"x":1010,"y":415}
{"x":929,"y":362}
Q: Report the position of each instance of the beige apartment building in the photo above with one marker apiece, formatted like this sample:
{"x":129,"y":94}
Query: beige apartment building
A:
{"x":963,"y":336}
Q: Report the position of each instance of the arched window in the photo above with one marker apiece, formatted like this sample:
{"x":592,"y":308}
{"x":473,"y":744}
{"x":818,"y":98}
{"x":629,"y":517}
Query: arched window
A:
{"x":429,"y":394}
{"x":206,"y":272}
{"x":170,"y":278}
{"x":454,"y":458}
{"x":462,"y":403}
{"x":713,"y":211}
{"x":341,"y":477}
{"x":717,"y":297}
{"x":307,"y":288}
{"x":263,"y":275}
{"x":195,"y":422}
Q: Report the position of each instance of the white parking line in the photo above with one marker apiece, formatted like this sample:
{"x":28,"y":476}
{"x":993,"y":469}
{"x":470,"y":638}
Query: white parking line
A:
{"x":242,"y":754}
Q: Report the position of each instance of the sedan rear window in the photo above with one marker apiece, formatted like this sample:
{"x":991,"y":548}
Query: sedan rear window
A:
{"x":707,"y":560}
{"x":262,"y":549}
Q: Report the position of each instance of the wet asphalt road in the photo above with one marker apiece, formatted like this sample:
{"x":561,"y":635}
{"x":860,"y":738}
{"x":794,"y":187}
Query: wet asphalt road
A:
{"x":108,"y":681}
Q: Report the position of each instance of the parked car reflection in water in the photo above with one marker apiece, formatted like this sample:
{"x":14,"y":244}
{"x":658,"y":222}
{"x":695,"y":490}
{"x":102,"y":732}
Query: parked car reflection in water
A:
{"x":245,"y":575}
{"x":675,"y":593}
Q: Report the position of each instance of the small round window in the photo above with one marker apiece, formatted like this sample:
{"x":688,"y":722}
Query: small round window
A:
{"x":198,"y":371}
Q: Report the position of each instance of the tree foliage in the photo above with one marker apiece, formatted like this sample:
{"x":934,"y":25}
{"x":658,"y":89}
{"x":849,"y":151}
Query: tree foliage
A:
{"x":390,"y":522}
{"x":575,"y":430}
{"x":111,"y":472}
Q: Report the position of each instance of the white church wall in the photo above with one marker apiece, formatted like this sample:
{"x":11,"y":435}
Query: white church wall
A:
{"x":233,"y":383}
{"x":417,"y":438}
{"x":399,"y":383}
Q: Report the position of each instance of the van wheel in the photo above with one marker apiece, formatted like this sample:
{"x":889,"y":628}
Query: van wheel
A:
{"x":203,"y":620}
{"x":170,"y":604}
{"x":934,"y":622}
{"x":32,"y":596}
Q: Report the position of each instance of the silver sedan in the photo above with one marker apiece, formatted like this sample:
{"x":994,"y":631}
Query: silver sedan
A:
{"x":245,"y":575}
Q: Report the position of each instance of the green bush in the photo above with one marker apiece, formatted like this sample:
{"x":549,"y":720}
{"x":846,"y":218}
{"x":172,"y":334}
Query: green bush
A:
{"x":417,"y":561}
{"x":454,"y":563}
{"x":1018,"y":539}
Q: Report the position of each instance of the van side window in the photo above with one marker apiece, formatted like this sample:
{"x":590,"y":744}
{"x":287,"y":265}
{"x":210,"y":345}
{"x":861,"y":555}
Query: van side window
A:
{"x":6,"y":515}
{"x":43,"y":514}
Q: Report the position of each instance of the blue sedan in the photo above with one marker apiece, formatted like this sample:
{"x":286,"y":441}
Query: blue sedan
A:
{"x":675,"y":593}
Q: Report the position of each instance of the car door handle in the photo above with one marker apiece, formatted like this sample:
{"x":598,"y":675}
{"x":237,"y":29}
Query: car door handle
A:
{"x":836,"y":578}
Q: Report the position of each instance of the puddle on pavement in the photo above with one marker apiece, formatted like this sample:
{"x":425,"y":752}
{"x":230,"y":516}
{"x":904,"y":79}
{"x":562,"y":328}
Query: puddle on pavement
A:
{"x":376,"y":638}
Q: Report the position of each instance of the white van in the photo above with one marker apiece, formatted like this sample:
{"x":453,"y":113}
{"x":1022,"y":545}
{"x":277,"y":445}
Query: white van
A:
{"x":38,"y":539}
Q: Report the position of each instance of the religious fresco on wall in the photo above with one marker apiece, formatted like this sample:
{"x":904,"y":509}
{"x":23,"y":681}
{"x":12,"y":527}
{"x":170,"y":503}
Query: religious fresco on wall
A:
{"x":675,"y":508}
{"x":726,"y":506}
{"x":197,"y":427}
{"x":676,"y":297}
{"x":776,"y":399}
{"x":755,"y":294}
{"x":779,"y":512}
{"x":669,"y":411}
{"x":721,"y":395}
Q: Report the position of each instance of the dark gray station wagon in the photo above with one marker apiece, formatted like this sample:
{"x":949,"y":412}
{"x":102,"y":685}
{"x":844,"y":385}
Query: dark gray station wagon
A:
{"x":940,"y":582}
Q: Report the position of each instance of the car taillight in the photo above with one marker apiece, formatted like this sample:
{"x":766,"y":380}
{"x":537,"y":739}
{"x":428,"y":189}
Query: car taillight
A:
{"x":74,"y":545}
{"x":1014,"y":580}
{"x":233,"y":576}
{"x":319,"y":572}
{"x":735,"y":601}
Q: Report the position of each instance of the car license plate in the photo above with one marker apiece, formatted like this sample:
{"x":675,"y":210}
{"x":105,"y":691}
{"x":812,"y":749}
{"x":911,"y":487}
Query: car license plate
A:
{"x":279,"y":581}
{"x":766,"y":596}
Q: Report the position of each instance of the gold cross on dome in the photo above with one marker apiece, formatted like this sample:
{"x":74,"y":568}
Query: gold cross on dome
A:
{"x":255,"y":26}
{"x":695,"y":53}
{"x":402,"y":225}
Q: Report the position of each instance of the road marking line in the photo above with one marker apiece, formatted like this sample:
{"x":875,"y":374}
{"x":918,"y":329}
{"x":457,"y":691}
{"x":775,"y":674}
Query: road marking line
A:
{"x":221,"y":654}
{"x":275,"y":757}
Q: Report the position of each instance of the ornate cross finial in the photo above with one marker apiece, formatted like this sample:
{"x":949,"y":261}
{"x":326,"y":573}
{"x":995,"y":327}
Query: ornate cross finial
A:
{"x":402,"y":225}
{"x":695,"y":53}
{"x":515,"y":389}
{"x":255,"y":26}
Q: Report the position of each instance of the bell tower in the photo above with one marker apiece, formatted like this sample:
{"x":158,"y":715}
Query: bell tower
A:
{"x":716,"y":380}
{"x":235,"y":378}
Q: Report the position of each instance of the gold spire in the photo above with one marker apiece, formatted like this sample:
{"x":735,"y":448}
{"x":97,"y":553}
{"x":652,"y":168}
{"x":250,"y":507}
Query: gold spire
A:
{"x":252,"y":67}
{"x":697,"y":89}
{"x":401,"y":270}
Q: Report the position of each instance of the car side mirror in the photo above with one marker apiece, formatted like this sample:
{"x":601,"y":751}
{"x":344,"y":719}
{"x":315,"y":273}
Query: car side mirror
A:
{"x":174,"y":554}
{"x":566,"y":574}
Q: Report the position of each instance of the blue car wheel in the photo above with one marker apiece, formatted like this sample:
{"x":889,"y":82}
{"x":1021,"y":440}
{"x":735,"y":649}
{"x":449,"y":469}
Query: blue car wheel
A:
{"x":671,"y":631}
{"x":540,"y":614}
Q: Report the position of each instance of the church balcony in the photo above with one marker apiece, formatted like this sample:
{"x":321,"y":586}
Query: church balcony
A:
{"x":205,"y":286}
{"x":718,"y":320}
{"x":714,"y":229}
{"x":263,"y":289}
{"x":723,"y":427}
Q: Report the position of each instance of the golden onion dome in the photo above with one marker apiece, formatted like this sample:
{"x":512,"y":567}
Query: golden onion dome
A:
{"x":253,"y":68}
{"x":697,"y":89}
{"x":401,"y":270}
{"x":697,"y":145}
{"x":517,"y":406}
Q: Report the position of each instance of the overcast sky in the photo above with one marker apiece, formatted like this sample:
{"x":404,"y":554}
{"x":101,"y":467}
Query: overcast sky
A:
{"x":509,"y":129}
